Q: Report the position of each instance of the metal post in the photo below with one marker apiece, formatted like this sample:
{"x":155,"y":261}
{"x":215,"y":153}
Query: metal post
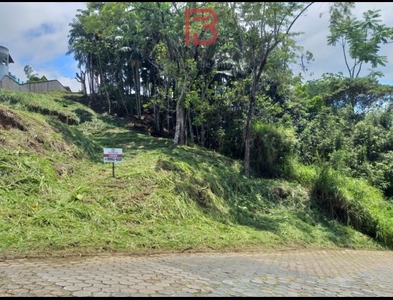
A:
{"x":113,"y":169}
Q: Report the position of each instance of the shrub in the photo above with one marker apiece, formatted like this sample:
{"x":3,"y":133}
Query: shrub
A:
{"x":271,"y":150}
{"x":353,"y":202}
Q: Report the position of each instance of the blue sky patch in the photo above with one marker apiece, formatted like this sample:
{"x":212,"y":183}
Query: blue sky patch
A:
{"x":43,"y":29}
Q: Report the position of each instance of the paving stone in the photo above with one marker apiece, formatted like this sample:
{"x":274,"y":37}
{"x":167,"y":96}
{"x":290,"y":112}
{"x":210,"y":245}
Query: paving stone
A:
{"x":81,"y":294}
{"x":102,"y":294}
{"x":82,"y":284}
{"x":72,"y":288}
{"x":92,"y":289}
{"x":119,"y":294}
{"x":294,"y":273}
{"x":18,"y":292}
{"x":128,"y":290}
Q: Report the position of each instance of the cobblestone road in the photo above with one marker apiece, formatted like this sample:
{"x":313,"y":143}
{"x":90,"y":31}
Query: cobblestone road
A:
{"x":279,"y":273}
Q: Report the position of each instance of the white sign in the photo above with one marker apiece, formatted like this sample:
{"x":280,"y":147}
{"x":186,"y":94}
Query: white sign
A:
{"x":113,"y":155}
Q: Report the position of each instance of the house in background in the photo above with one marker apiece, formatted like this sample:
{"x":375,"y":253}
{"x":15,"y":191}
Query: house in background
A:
{"x":10,"y":82}
{"x":5,"y":60}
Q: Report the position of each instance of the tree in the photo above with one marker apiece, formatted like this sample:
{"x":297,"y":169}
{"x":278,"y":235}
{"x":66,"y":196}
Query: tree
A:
{"x":359,"y":95}
{"x":29,"y":74}
{"x":177,"y":61}
{"x":363,"y":38}
{"x":261,"y":27}
{"x":32,"y":77}
{"x":80,"y":43}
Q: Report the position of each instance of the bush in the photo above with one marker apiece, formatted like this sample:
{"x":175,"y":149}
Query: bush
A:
{"x":353,"y":202}
{"x":271,"y":149}
{"x":303,"y":174}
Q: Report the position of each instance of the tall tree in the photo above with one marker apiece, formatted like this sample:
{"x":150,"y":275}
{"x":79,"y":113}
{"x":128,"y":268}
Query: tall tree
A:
{"x":261,"y":27}
{"x":80,"y":44}
{"x":360,"y":40}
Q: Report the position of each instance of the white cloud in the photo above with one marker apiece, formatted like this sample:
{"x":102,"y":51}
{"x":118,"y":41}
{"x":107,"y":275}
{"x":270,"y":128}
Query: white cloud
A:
{"x":36,"y":35}
{"x":20,"y":18}
{"x":71,"y":83}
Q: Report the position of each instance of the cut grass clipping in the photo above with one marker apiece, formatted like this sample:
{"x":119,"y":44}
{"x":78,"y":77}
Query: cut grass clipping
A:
{"x":57,"y":196}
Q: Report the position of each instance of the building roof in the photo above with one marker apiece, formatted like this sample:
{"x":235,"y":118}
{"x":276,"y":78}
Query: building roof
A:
{"x":10,"y":60}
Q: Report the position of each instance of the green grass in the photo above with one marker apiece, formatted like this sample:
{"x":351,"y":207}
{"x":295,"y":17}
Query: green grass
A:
{"x":58,"y":197}
{"x":355,"y":203}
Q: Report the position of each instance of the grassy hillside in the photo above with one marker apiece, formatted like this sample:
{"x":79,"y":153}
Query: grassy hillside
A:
{"x":57,"y":196}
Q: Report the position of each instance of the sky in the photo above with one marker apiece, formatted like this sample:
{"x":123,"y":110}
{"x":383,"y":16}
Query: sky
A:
{"x":330,"y":59}
{"x":36,"y":34}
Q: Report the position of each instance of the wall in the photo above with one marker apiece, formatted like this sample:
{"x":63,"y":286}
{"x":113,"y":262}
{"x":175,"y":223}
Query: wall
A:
{"x":36,"y":87}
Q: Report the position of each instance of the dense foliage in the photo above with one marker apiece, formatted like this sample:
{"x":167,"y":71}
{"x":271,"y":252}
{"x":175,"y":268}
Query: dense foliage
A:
{"x":239,"y":95}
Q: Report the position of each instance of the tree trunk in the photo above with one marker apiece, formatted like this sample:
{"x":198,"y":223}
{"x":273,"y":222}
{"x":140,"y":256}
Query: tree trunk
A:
{"x":190,"y":126}
{"x":137,"y":85}
{"x":102,"y":82}
{"x":185,"y":127}
{"x":203,"y":135}
{"x":247,"y":137}
{"x":250,"y":114}
{"x":167,"y":107}
{"x":197,"y":135}
{"x":82,"y":79}
{"x":157,"y":112}
{"x":156,"y":107}
{"x":179,"y":129}
{"x":91,"y":77}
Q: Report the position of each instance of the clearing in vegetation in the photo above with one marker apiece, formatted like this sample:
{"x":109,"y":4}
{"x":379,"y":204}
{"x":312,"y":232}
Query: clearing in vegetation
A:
{"x":57,"y":197}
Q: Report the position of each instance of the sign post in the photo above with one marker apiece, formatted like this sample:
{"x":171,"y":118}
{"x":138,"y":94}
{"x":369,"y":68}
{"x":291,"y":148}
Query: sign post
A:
{"x":113,"y":155}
